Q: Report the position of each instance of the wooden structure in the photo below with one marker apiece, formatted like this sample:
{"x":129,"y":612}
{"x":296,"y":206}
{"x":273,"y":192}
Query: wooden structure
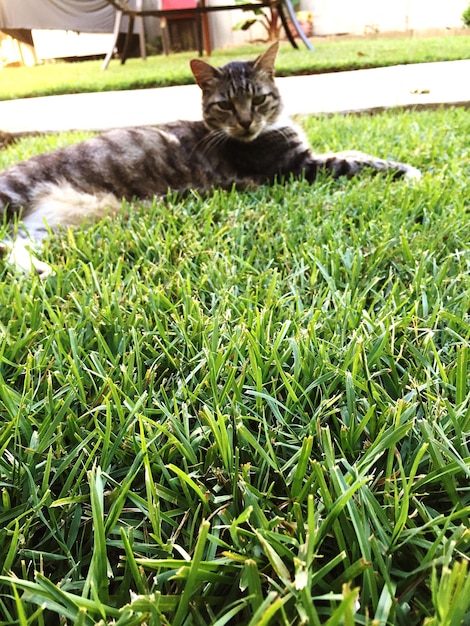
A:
{"x":283,"y":7}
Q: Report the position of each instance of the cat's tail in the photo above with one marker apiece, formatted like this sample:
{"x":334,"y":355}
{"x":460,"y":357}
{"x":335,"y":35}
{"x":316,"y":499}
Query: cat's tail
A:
{"x":6,"y":139}
{"x":14,"y":195}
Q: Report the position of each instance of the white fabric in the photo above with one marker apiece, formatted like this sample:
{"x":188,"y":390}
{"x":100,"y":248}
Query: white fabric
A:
{"x":79,"y":15}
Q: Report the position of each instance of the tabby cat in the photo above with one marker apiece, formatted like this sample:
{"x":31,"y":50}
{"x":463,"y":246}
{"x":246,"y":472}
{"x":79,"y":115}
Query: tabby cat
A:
{"x":243,"y":140}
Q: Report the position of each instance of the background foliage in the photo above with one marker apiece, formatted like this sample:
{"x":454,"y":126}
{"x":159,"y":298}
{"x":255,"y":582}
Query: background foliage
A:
{"x":466,"y":16}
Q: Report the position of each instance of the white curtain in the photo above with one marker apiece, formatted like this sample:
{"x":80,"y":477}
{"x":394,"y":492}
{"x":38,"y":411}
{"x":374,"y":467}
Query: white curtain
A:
{"x":80,"y":15}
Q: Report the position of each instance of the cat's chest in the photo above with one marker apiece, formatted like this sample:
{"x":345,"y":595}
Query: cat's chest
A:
{"x":188,"y":155}
{"x":262,"y":157}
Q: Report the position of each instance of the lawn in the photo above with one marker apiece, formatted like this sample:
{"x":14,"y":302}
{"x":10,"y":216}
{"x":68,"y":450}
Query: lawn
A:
{"x":159,"y":71}
{"x":248,"y":408}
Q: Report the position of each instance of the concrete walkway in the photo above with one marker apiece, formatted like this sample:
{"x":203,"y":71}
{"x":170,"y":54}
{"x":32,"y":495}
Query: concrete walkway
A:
{"x":420,"y":85}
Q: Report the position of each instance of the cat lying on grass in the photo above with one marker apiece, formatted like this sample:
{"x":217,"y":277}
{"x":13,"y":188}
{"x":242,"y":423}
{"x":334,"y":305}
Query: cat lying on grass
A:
{"x":244,"y":140}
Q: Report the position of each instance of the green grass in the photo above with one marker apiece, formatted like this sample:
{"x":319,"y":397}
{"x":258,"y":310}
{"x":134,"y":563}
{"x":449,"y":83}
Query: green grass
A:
{"x":250,"y":408}
{"x":158,"y":71}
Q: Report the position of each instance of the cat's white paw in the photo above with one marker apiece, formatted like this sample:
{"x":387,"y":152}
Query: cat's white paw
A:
{"x":20,"y":256}
{"x":412,"y":173}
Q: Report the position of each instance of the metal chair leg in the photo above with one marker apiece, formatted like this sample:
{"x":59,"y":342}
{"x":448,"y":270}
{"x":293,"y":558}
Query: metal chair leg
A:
{"x":165,"y":36}
{"x":116,"y":31}
{"x":141,"y":29}
{"x":295,"y":23}
{"x":197,"y":33}
{"x":130,"y":30}
{"x":285,"y":24}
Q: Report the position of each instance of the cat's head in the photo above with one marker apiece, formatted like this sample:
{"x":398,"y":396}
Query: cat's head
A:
{"x":240,"y":98}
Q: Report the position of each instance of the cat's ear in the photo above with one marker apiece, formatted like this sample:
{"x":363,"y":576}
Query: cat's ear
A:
{"x":203,"y":72}
{"x":265,"y":61}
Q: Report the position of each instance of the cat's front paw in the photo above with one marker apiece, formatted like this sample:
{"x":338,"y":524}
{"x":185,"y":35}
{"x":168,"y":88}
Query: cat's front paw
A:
{"x":412,"y":173}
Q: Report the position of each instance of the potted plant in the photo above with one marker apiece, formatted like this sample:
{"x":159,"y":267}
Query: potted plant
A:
{"x":305,"y":20}
{"x":269,"y":18}
{"x":466,"y":16}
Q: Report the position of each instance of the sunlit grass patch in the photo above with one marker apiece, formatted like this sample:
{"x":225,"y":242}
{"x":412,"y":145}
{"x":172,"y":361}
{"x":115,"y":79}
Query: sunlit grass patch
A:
{"x":249,"y":408}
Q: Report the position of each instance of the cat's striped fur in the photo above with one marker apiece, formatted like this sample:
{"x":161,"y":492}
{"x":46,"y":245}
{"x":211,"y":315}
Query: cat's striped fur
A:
{"x":243,"y":140}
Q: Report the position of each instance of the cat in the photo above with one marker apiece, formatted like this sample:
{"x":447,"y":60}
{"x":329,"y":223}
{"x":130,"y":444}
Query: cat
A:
{"x":244,"y":139}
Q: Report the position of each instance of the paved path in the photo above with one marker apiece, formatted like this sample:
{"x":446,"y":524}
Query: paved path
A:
{"x":424,"y":84}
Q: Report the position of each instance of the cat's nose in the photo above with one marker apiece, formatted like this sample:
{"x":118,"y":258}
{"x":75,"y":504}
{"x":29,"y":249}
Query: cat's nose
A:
{"x":245,"y":123}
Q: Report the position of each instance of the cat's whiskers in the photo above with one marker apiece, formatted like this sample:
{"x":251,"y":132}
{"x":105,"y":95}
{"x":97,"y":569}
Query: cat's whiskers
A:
{"x":212,"y":140}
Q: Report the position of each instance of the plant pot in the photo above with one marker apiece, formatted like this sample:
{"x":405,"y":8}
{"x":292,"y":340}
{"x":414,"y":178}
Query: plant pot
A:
{"x":305,"y":24}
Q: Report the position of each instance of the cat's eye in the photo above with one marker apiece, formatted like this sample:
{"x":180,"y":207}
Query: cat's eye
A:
{"x":257,"y":100}
{"x":225,"y":105}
